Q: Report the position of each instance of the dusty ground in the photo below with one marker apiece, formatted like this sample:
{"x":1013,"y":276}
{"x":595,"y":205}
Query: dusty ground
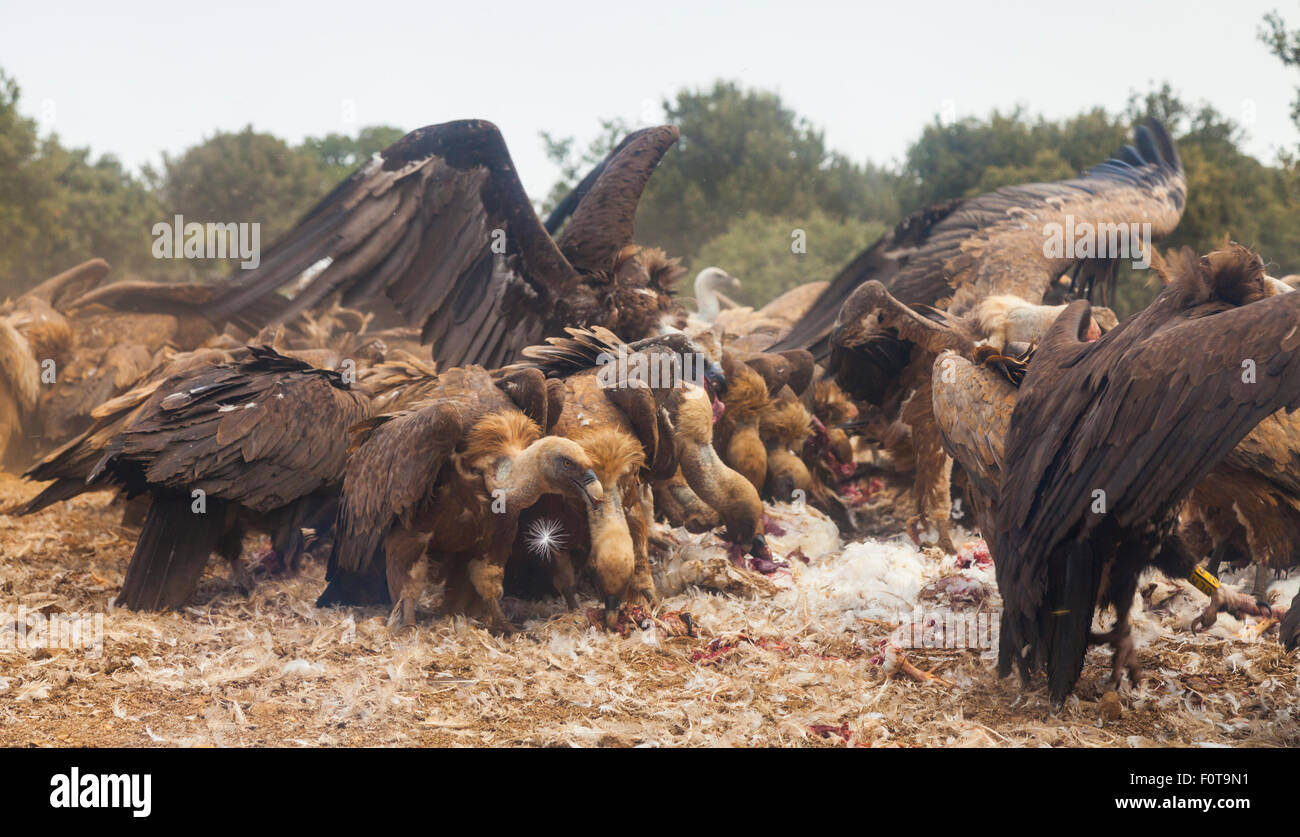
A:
{"x":812,"y":664}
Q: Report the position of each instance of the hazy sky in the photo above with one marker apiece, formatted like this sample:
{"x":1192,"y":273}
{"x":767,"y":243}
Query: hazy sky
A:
{"x":137,"y":79}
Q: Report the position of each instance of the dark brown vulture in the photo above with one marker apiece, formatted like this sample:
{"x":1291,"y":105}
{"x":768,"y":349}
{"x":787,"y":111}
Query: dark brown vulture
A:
{"x":1016,"y":241}
{"x":440,"y":226}
{"x":1108,"y":438}
{"x":995,"y":323}
{"x":954,"y":254}
{"x":219,"y":448}
{"x":1291,"y":625}
{"x":71,"y":464}
{"x":482,"y":460}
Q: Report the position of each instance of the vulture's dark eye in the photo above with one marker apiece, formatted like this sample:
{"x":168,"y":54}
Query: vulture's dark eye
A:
{"x":567,"y":463}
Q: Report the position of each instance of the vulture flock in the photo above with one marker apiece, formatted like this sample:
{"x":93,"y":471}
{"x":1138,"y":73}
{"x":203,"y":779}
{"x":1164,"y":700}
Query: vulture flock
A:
{"x":425,"y":382}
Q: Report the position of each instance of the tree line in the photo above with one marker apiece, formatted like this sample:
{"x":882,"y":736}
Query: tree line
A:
{"x":751,"y":186}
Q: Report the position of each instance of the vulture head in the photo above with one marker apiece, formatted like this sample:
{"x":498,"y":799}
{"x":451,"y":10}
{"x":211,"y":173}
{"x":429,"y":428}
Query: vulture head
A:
{"x":786,"y":426}
{"x":707,"y":284}
{"x":508,"y":450}
{"x":561,"y":466}
{"x":617,"y":459}
{"x":1009,"y":319}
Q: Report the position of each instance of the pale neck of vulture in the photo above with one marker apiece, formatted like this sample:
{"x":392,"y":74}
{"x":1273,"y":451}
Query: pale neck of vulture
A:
{"x":707,"y":282}
{"x":718,"y":485}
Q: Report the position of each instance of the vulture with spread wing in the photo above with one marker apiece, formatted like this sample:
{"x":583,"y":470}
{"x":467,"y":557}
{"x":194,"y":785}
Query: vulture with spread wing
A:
{"x":953,"y":257}
{"x":1108,"y":438}
{"x":450,"y":476}
{"x":222,"y":447}
{"x":439,"y":225}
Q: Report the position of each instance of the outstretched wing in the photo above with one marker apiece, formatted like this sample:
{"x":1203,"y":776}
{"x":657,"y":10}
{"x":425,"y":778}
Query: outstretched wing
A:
{"x":955,"y":254}
{"x":440,"y":224}
{"x":602,"y":222}
{"x":565,"y":208}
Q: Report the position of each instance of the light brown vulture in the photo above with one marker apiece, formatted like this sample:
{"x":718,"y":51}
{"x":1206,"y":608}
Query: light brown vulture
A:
{"x":1108,"y":438}
{"x":252,"y":443}
{"x":440,"y":226}
{"x":482,"y":460}
{"x":20,"y":391}
{"x":615,"y":398}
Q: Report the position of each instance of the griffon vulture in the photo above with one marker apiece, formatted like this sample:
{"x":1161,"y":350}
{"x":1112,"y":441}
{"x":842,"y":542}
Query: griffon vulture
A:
{"x":481,"y":461}
{"x":1016,"y":241}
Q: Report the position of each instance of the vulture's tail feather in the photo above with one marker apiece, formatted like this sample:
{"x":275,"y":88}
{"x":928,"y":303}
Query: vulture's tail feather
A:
{"x":169,"y":557}
{"x":1066,"y":618}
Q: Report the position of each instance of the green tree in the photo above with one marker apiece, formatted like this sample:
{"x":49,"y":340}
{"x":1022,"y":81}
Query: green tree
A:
{"x":1285,"y":44}
{"x":59,"y":206}
{"x":244,"y":177}
{"x":759,"y":250}
{"x":741,"y":152}
{"x":338,"y":155}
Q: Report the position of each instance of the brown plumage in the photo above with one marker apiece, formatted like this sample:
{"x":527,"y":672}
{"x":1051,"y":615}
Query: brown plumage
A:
{"x":785,"y":425}
{"x":738,"y":437}
{"x":482,"y":462}
{"x":993,"y":323}
{"x":440,"y":225}
{"x":1140,"y":416}
{"x":744,"y":328}
{"x":1249,"y":504}
{"x":256,"y":442}
{"x":617,"y":399}
{"x":20,"y":389}
{"x":731,"y":495}
{"x":953,"y":255}
{"x":71,"y":464}
{"x":612,"y":537}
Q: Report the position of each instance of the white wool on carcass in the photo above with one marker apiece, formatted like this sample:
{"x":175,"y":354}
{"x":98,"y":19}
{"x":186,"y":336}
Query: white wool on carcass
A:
{"x":871,"y":579}
{"x":806,"y":529}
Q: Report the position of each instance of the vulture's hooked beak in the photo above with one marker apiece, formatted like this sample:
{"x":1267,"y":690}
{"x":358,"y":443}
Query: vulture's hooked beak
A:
{"x":591,"y":488}
{"x":759,"y":549}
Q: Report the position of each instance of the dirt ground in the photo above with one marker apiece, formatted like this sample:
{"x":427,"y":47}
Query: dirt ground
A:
{"x":813,"y":656}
